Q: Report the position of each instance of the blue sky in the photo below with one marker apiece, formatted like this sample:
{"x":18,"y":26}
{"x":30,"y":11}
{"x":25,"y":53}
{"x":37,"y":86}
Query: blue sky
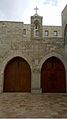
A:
{"x":21,"y":10}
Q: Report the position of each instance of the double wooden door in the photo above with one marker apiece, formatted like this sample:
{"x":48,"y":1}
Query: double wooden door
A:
{"x":17,"y":76}
{"x":53,"y":76}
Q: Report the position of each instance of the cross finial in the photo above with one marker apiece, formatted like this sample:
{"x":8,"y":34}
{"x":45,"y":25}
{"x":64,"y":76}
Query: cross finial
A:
{"x":36,"y":9}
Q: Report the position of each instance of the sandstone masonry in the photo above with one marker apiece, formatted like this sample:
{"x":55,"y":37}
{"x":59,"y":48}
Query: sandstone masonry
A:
{"x":18,"y":39}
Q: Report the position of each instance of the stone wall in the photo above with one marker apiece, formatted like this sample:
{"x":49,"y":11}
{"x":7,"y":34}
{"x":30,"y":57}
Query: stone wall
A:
{"x":51,"y":30}
{"x":64,"y":31}
{"x":64,"y":19}
{"x":13,"y":43}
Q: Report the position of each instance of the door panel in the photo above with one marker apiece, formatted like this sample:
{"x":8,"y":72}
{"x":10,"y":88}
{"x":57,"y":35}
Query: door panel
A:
{"x":53,"y":76}
{"x":17,"y":76}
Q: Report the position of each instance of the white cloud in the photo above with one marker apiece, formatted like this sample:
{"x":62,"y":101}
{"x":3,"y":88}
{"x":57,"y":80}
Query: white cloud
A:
{"x":51,"y":11}
{"x":2,"y":16}
{"x":52,"y":2}
{"x":13,"y":9}
{"x":21,"y":10}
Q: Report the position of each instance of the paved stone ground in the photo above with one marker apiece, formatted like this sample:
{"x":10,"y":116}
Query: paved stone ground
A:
{"x":18,"y":105}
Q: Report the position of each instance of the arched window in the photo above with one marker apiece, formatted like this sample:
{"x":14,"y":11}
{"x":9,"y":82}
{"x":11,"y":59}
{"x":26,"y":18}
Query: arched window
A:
{"x":36,"y":28}
{"x":55,"y":33}
{"x":24,"y":32}
{"x":46,"y":32}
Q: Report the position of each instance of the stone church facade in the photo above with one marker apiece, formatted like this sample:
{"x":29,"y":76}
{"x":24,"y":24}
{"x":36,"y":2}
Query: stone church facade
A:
{"x":33,"y":57}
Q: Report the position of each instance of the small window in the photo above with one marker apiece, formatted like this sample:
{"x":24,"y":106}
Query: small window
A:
{"x":24,"y":31}
{"x":46,"y":33}
{"x":37,"y":33}
{"x":55,"y":33}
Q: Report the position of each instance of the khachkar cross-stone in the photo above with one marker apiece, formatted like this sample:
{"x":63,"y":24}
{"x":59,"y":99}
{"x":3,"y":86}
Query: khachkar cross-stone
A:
{"x":36,"y":9}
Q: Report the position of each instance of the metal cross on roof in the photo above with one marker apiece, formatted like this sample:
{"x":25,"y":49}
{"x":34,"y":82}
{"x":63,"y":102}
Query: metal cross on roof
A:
{"x":36,"y":9}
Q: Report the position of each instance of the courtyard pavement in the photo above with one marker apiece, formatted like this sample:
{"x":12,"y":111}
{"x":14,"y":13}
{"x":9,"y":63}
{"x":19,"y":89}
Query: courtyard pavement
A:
{"x":28,"y":105}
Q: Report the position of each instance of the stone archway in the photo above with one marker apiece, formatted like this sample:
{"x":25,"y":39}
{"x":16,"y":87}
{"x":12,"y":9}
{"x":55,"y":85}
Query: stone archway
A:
{"x":17,"y":76}
{"x":53,"y":77}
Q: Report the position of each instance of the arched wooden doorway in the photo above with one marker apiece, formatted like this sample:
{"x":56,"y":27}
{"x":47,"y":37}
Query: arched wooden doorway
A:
{"x":17,"y":76}
{"x":53,"y":76}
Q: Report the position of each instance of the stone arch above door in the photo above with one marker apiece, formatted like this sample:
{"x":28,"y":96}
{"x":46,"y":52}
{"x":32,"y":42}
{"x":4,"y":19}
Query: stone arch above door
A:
{"x":17,"y":76}
{"x":53,"y":76}
{"x":51,"y":55}
{"x":7,"y":58}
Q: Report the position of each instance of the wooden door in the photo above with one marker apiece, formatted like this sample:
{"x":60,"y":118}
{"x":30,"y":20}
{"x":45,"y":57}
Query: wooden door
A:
{"x":17,"y":76}
{"x":53,"y":76}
